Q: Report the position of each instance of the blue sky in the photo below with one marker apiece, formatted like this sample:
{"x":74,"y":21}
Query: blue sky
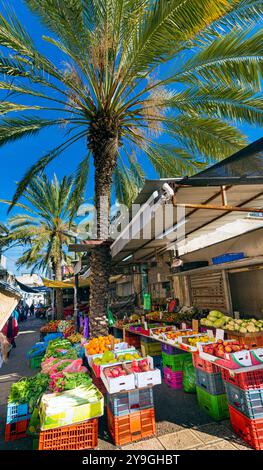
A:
{"x":17,"y":157}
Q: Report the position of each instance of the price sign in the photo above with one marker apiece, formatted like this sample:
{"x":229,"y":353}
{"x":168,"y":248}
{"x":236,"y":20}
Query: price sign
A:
{"x":219,"y":334}
{"x":183,"y":326}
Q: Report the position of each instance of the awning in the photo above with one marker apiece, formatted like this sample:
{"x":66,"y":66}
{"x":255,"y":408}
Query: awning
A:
{"x":31,"y":290}
{"x":69,"y":283}
{"x":243,"y":167}
{"x":9,"y":298}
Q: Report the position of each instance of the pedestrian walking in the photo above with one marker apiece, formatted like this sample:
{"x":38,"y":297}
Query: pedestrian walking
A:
{"x":10,"y":330}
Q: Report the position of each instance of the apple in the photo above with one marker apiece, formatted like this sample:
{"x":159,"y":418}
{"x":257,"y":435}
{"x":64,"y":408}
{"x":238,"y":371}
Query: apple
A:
{"x":228,"y":349}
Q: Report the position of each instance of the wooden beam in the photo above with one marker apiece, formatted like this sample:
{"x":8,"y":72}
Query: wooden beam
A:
{"x":220,"y":208}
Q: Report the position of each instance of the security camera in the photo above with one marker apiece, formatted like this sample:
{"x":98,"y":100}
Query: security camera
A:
{"x":169,"y":192}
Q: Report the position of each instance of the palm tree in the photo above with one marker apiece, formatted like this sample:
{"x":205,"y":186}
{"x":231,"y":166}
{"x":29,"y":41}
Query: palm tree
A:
{"x":134,"y":70}
{"x":43,"y":227}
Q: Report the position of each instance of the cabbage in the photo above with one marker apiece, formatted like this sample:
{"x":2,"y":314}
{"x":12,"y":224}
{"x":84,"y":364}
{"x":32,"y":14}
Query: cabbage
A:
{"x":216,"y":314}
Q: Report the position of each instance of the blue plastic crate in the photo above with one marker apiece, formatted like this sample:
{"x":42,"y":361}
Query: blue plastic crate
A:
{"x":210,"y":383}
{"x":17,"y":412}
{"x":124,"y":403}
{"x":228,"y":257}
{"x":248,"y":402}
{"x":37,"y":350}
{"x":51,"y":336}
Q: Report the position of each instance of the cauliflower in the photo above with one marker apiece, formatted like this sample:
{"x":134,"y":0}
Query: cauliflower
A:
{"x":243,"y":330}
{"x":251,"y":328}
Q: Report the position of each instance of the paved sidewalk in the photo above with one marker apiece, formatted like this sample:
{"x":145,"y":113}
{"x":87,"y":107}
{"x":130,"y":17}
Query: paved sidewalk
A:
{"x":180,"y":424}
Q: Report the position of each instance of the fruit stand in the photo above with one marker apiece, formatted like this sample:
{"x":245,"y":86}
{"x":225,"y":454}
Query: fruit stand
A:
{"x":228,"y":372}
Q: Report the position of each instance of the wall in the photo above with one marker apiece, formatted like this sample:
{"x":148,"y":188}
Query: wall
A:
{"x":247,"y":292}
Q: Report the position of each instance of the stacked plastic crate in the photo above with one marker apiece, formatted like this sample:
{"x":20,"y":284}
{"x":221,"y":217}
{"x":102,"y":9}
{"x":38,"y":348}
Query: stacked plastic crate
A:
{"x":245,"y":401}
{"x":131,"y":415}
{"x":210,"y":389}
{"x":130,"y":405}
{"x":17,"y":421}
{"x":150,"y":347}
{"x":173,"y":361}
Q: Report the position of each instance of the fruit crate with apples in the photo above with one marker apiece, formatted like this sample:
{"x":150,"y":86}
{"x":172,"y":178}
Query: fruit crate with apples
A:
{"x":217,"y":352}
{"x":133,"y":401}
{"x":245,"y":380}
{"x":250,"y":430}
{"x":211,"y":383}
{"x":252,"y":340}
{"x":158,"y":333}
{"x":173,"y":379}
{"x":117,"y":378}
{"x":73,"y":437}
{"x":248,"y":402}
{"x":131,"y":427}
{"x":16,"y":430}
{"x":172,"y":336}
{"x":215,"y":406}
{"x":144,"y":372}
{"x":176,"y":362}
{"x":112,"y":358}
{"x":204,"y":365}
{"x":151,"y":349}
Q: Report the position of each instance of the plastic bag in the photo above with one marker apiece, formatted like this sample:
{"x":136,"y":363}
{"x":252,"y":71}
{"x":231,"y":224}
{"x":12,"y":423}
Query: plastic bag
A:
{"x":189,"y":379}
{"x":75,"y":366}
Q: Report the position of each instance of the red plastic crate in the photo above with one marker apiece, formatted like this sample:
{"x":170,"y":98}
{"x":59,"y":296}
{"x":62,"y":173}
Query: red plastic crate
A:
{"x":16,"y":430}
{"x":204,"y":365}
{"x":79,"y":437}
{"x":245,"y":380}
{"x":131,"y":427}
{"x":251,"y":430}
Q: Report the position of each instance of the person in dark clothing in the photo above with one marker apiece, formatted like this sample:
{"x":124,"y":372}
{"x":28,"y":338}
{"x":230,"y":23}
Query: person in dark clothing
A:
{"x":31,"y":310}
{"x":10,"y":330}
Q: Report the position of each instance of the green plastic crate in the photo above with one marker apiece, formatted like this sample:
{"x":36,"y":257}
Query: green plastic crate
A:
{"x":151,"y":349}
{"x":35,"y":362}
{"x":215,"y":406}
{"x":176,"y":361}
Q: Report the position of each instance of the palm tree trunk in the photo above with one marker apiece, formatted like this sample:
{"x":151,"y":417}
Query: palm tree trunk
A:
{"x":59,"y":292}
{"x":104,"y":144}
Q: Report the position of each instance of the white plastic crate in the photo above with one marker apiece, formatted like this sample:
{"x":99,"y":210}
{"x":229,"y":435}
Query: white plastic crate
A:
{"x":150,"y":378}
{"x":118,"y":384}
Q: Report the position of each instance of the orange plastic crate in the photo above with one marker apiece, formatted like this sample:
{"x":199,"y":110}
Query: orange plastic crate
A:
{"x":79,"y":437}
{"x":16,"y":430}
{"x":131,"y":427}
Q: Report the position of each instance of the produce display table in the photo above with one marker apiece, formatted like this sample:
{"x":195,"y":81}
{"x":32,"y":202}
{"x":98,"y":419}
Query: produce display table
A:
{"x":177,"y":346}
